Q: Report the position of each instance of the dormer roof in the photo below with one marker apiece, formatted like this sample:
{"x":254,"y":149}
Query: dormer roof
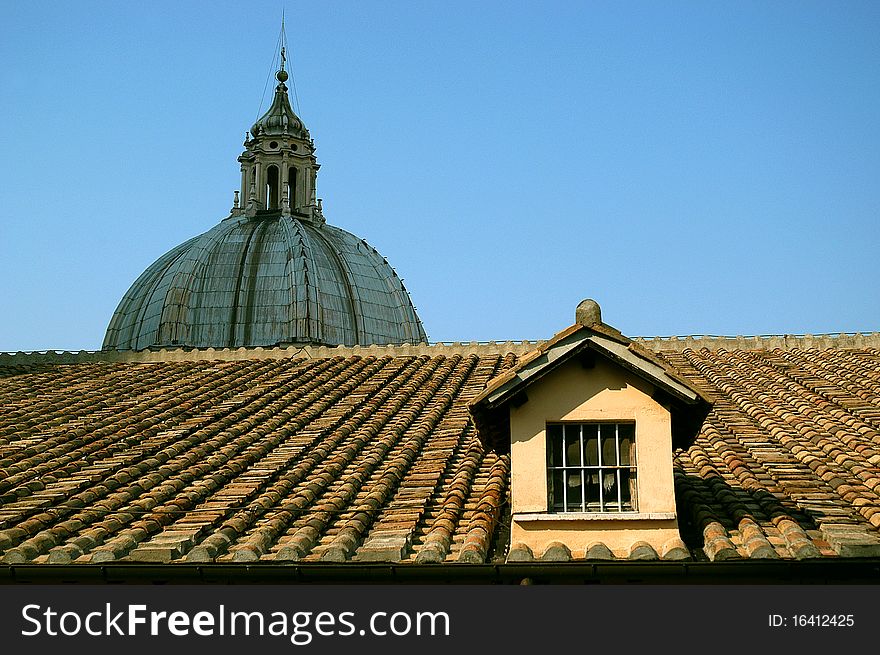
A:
{"x":585,"y":342}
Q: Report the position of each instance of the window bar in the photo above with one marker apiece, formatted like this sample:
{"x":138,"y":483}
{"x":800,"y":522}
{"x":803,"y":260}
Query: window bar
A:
{"x":564,"y":472}
{"x":601,"y":476}
{"x":633,"y":496}
{"x":583,"y":469}
{"x":617,"y":471}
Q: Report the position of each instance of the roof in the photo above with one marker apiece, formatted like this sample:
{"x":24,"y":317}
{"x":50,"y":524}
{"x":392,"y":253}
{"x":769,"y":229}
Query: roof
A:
{"x":362,"y":458}
{"x":262,"y":282}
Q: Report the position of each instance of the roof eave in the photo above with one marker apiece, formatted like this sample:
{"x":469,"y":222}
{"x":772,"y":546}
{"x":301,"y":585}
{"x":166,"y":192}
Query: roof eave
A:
{"x":825,"y":570}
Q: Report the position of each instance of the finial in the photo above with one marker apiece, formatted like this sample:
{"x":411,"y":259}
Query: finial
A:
{"x":588,"y":313}
{"x":235,"y":201}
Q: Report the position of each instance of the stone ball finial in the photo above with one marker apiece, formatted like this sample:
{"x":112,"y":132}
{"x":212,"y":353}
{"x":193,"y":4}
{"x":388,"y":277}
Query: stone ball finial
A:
{"x":281,"y":76}
{"x":588,"y":313}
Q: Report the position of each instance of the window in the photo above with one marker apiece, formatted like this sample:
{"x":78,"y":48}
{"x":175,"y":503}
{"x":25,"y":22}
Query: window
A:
{"x":272,"y":187}
{"x":591,"y":467}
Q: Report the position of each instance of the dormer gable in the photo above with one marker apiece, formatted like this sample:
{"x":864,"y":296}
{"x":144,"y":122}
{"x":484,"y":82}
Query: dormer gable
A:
{"x":586,"y":343}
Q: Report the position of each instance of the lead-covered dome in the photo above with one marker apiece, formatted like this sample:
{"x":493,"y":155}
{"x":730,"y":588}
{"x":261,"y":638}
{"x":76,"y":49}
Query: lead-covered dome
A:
{"x":273,"y":272}
{"x":266,"y":281}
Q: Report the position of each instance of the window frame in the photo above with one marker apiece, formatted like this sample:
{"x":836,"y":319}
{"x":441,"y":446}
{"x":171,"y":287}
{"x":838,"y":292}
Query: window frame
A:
{"x":604,"y":507}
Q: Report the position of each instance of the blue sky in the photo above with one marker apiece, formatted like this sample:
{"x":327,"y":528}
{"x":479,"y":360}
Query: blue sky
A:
{"x":697,"y":168}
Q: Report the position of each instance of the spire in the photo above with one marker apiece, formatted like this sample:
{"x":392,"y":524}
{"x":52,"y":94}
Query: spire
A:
{"x":283,"y":38}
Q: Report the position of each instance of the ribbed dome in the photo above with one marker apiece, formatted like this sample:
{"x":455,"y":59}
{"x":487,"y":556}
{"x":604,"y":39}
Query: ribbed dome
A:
{"x":265,"y":281}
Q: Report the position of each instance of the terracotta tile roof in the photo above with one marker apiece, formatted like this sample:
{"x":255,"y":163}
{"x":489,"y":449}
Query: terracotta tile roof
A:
{"x":787,"y":464}
{"x":376,"y":458}
{"x":240,"y":461}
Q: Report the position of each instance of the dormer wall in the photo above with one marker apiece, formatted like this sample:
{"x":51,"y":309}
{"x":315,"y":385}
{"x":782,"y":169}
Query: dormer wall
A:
{"x":603,"y":395}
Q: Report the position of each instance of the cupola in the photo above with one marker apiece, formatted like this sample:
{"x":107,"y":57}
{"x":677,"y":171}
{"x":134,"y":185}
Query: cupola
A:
{"x":278,"y":166}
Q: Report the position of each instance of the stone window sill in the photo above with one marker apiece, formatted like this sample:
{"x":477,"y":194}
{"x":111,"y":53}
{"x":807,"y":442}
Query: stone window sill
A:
{"x":595,"y":516}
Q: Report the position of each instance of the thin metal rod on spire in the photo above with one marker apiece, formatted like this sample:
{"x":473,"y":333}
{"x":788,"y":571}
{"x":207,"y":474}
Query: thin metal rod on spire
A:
{"x":284,"y":48}
{"x":283,"y":40}
{"x":280,"y":47}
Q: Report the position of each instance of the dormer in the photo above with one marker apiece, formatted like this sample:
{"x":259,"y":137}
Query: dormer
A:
{"x":590,"y":420}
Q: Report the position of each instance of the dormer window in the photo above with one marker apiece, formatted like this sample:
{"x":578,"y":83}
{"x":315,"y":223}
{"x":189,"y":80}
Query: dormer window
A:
{"x":591,"y":467}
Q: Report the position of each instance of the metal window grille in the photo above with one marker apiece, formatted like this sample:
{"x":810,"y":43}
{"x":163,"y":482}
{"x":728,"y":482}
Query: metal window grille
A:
{"x":591,"y":467}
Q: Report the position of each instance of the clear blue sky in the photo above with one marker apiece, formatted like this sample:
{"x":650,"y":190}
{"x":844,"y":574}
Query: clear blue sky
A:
{"x":695,"y":167}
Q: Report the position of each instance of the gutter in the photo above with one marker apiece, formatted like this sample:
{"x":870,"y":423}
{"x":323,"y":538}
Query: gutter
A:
{"x":816,"y":571}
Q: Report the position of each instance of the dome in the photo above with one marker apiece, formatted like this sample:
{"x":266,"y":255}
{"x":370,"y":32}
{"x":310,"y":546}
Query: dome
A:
{"x":273,"y":272}
{"x":272,"y":279}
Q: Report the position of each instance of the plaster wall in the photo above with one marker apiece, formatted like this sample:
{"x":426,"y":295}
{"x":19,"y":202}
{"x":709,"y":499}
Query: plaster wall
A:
{"x":604,"y":393}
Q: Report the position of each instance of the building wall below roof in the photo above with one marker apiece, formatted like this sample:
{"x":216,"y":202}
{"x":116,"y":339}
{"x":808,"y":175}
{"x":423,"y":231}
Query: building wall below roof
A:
{"x":580,"y":537}
{"x":762,"y":342}
{"x":260,"y":353}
